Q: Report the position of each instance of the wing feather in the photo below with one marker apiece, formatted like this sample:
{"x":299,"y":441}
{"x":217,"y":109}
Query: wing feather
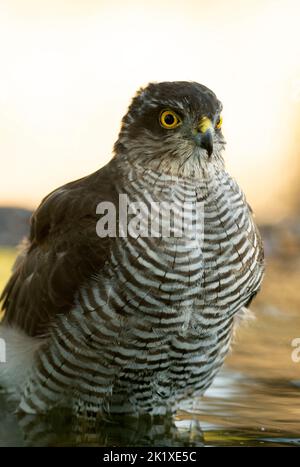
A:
{"x":63,"y":251}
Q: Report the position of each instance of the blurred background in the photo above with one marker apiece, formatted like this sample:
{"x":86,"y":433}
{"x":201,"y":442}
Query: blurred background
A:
{"x":68,"y":71}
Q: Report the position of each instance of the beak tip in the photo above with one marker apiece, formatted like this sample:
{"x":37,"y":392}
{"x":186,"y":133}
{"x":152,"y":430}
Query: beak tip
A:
{"x":207,"y":143}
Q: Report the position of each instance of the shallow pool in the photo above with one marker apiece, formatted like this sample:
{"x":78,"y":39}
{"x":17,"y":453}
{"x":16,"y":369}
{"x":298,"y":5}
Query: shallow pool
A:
{"x":255,"y":400}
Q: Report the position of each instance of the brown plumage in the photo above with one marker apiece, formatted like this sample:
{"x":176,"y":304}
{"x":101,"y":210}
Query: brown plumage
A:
{"x":62,"y":251}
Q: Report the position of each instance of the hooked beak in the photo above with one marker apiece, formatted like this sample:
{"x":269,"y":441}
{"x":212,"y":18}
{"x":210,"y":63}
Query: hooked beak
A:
{"x":203,"y":135}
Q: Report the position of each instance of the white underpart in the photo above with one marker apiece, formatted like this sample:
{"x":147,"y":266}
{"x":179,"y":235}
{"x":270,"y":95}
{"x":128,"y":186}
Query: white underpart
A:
{"x":19,"y":357}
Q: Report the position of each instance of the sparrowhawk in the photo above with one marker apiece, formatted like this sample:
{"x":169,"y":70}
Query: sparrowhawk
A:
{"x":134,"y":323}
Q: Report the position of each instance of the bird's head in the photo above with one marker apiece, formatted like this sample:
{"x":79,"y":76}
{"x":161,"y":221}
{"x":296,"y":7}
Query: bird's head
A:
{"x":173,"y":127}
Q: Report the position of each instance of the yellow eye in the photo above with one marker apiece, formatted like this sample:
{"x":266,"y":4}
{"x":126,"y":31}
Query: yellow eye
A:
{"x":219,"y":122}
{"x":169,"y":119}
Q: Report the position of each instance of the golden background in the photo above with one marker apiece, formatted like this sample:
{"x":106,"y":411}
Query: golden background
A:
{"x":69,"y":69}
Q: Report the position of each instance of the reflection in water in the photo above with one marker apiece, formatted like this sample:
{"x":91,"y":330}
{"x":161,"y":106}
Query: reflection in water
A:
{"x":235,"y":411}
{"x":60,"y":429}
{"x":254,"y":401}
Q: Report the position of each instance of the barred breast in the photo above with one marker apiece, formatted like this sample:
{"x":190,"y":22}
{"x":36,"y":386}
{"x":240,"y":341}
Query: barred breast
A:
{"x":156,"y":323}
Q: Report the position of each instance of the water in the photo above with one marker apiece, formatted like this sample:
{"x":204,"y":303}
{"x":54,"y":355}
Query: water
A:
{"x":255,"y":400}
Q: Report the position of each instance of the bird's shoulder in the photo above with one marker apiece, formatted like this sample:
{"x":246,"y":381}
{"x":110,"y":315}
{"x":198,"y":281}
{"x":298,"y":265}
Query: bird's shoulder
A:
{"x":72,"y":203}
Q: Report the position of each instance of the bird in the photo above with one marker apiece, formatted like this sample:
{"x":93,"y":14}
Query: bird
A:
{"x":110,"y":322}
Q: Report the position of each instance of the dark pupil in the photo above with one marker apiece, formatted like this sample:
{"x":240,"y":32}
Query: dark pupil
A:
{"x":169,"y":119}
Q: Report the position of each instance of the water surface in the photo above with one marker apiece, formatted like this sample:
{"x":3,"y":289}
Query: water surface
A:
{"x":255,"y":400}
